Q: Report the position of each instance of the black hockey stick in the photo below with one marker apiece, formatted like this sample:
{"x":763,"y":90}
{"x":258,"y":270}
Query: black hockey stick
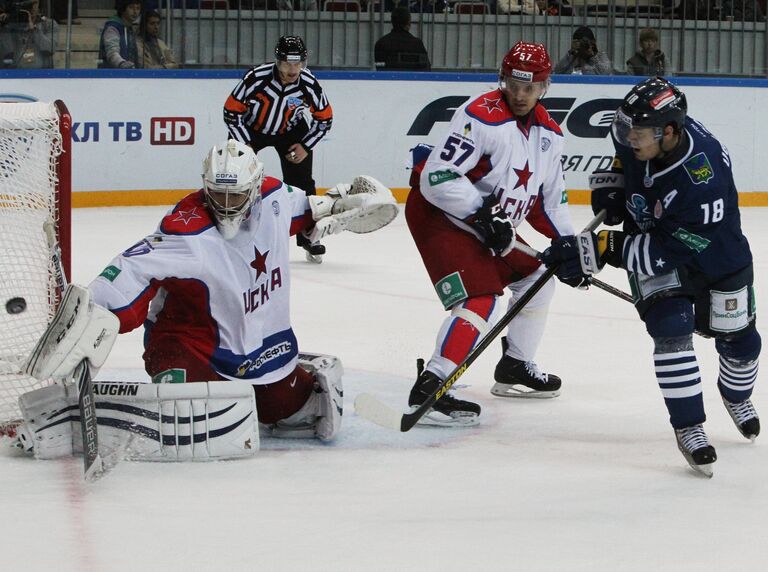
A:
{"x":93,"y":465}
{"x":368,"y":406}
{"x":604,"y":286}
{"x":533,"y":253}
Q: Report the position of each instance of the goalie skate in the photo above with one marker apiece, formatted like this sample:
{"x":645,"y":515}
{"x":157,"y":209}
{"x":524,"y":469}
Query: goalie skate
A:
{"x":448,"y":411}
{"x":517,"y":378}
{"x":744,"y":417}
{"x":694,"y":445}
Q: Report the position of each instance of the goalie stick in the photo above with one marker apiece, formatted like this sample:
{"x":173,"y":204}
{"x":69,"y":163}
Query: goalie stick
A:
{"x":93,"y":465}
{"x":368,"y":406}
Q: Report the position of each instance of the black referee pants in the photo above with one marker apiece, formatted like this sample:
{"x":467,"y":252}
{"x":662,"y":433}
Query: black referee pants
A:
{"x":294,"y":174}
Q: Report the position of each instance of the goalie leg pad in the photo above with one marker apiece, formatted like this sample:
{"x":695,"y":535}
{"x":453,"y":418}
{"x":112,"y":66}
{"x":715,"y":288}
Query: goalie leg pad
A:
{"x":322,"y":413}
{"x":79,"y":330}
{"x":149,"y":422}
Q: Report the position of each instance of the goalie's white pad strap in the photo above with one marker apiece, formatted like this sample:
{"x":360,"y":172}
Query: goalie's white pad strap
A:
{"x":146,"y":421}
{"x":79,"y":330}
{"x":321,"y":415}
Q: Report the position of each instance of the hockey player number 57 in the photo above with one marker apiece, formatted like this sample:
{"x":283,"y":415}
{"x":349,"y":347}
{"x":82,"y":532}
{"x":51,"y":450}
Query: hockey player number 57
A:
{"x":452,"y":145}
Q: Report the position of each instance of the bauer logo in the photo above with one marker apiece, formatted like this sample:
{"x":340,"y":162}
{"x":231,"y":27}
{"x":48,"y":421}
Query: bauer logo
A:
{"x":172,"y":131}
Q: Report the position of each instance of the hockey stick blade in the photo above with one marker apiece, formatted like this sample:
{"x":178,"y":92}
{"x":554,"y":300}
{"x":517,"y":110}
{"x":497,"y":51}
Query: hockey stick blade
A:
{"x":381,"y":414}
{"x":366,"y":405}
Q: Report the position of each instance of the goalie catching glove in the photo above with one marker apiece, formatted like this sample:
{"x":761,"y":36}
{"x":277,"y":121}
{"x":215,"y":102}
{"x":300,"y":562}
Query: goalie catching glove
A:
{"x":364,"y":206}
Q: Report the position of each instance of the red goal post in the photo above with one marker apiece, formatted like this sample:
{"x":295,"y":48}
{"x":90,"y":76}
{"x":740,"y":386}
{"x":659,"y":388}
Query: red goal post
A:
{"x":35,"y":192}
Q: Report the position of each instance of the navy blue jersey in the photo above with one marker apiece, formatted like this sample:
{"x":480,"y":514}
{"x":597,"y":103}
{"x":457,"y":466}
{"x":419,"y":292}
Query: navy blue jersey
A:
{"x":687,"y":213}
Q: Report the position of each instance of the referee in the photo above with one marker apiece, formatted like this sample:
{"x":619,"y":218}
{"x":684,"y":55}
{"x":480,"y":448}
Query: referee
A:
{"x":282,"y":105}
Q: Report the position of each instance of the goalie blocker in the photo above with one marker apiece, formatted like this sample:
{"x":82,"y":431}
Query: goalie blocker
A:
{"x":196,"y":421}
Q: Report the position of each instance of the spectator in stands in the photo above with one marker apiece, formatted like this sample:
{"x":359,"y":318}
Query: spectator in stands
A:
{"x":649,"y":59}
{"x":60,"y":8}
{"x":400,"y":50}
{"x":153,"y":52}
{"x":742,"y":11}
{"x":515,"y":7}
{"x":117,"y":48}
{"x":27,"y":40}
{"x":419,"y":6}
{"x":553,"y":8}
{"x":584,"y":57}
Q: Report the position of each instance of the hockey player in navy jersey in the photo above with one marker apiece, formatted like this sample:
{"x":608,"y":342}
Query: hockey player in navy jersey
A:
{"x":689,"y":264}
{"x":498,"y":165}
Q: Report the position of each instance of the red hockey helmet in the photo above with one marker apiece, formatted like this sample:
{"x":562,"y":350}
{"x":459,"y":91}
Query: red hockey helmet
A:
{"x":526,"y":62}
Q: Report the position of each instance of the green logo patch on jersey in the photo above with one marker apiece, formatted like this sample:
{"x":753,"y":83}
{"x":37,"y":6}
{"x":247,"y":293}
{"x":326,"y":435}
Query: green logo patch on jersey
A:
{"x":173,"y":375}
{"x":110,"y":273}
{"x":699,"y":169}
{"x":692,"y":241}
{"x":451,"y":290}
{"x":442,"y":176}
{"x":564,"y":198}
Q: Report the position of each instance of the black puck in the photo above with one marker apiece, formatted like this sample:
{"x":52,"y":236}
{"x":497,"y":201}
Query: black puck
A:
{"x":15,"y":305}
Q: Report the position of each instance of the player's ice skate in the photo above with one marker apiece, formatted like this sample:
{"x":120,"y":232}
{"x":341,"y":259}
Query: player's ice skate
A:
{"x":517,"y":378}
{"x":694,"y":445}
{"x":448,"y":411}
{"x":744,"y":417}
{"x":313,"y":251}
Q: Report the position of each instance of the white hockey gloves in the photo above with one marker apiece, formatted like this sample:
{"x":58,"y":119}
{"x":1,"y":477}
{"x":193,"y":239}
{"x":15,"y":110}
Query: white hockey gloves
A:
{"x":79,"y":330}
{"x":145,"y":421}
{"x":364,"y":206}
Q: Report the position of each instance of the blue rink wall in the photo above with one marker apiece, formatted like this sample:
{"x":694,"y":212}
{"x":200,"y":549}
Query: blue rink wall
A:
{"x":139,"y":136}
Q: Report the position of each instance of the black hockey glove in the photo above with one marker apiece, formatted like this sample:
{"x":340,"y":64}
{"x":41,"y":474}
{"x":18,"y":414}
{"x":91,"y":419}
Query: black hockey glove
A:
{"x":565,"y":253}
{"x":608,"y":194}
{"x":583,"y":255}
{"x":610,"y":244}
{"x":494,"y":226}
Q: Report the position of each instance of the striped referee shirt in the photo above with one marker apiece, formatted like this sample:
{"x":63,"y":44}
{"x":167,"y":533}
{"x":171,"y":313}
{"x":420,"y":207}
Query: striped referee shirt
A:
{"x":261,"y":104}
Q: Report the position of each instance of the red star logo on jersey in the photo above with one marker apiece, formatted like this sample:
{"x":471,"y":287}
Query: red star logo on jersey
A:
{"x":186,"y":216}
{"x":522,"y":176}
{"x":491,"y":105}
{"x":259,"y":262}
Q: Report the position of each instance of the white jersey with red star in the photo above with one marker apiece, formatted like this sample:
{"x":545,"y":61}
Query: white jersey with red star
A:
{"x":488,"y":150}
{"x":227,"y":301}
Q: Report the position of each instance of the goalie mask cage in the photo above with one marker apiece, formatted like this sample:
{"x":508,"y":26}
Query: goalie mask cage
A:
{"x":35,"y":186}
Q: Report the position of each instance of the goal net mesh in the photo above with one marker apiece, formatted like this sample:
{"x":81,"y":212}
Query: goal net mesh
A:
{"x":30,"y":145}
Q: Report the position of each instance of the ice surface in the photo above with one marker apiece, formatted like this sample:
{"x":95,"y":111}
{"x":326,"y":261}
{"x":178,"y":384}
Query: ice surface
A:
{"x":591,"y":480}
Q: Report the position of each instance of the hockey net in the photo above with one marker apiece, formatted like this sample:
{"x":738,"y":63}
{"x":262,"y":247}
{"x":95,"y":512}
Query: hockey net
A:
{"x":34,"y":194}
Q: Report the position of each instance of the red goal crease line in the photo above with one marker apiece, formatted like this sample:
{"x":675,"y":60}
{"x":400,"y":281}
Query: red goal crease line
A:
{"x":172,"y":196}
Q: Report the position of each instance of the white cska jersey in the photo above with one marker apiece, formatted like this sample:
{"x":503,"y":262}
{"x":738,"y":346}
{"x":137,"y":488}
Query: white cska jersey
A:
{"x":488,"y":150}
{"x":228,"y":300}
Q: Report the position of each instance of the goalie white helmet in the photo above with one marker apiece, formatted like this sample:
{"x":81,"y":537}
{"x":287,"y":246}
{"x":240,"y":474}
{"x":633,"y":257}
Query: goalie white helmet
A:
{"x":232,"y":177}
